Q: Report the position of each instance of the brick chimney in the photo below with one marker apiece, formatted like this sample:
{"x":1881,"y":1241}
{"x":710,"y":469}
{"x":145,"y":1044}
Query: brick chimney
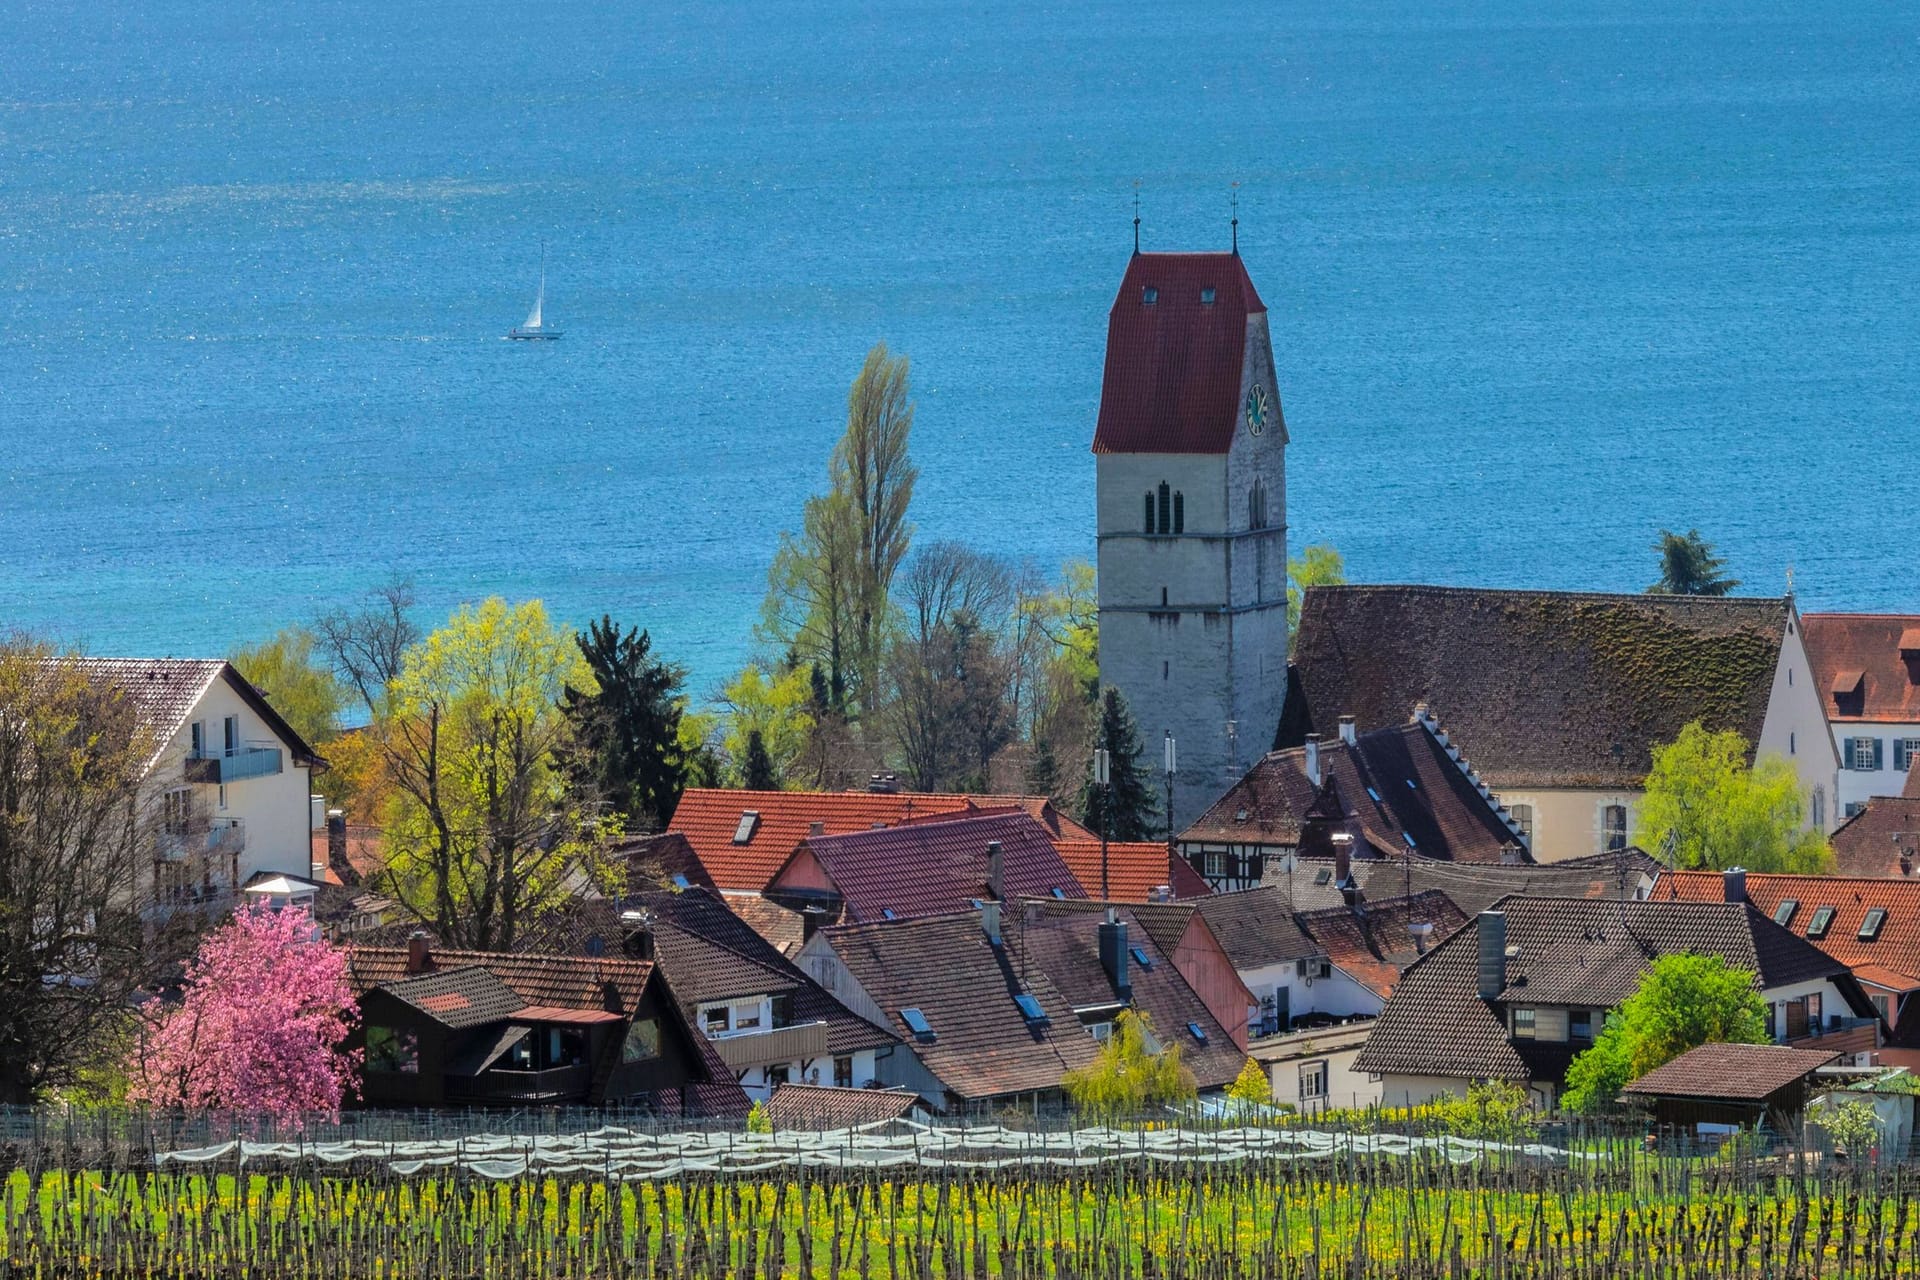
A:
{"x":419,"y":952}
{"x":810,"y":923}
{"x":1313,"y":759}
{"x":337,"y":847}
{"x":1348,"y":734}
{"x":638,"y":928}
{"x":996,"y":872}
{"x":1493,"y":954}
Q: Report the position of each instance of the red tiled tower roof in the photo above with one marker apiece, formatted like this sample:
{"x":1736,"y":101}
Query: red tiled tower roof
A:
{"x":1172,"y":382}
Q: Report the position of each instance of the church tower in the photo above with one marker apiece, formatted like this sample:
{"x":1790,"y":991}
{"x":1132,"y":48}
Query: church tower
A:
{"x":1191,"y":457}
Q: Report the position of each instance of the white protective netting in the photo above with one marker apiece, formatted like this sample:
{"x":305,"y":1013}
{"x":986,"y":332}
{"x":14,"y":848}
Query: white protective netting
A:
{"x":627,"y":1154}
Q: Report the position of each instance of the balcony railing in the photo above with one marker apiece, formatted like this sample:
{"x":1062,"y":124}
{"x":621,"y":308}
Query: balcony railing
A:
{"x":557,"y":1084}
{"x":215,"y":838}
{"x":254,"y":760}
{"x":787,"y":1044}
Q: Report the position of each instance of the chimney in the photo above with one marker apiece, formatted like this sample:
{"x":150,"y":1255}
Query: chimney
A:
{"x":638,"y":927}
{"x":419,"y":952}
{"x":816,"y":828}
{"x":1113,"y":954}
{"x":1493,"y":954}
{"x":990,"y":921}
{"x":1421,"y":931}
{"x":1733,"y":884}
{"x":1313,"y":758}
{"x":1342,"y":857}
{"x":316,"y":812}
{"x":996,"y":872}
{"x":1512,"y":855}
{"x":810,"y":923}
{"x":1347,"y":731}
{"x":883,"y":784}
{"x":337,"y":839}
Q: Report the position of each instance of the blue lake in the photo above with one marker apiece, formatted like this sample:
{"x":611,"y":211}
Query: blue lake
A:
{"x":1542,"y":279}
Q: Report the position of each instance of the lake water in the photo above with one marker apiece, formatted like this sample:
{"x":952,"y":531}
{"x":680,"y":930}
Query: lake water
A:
{"x":1542,"y":279}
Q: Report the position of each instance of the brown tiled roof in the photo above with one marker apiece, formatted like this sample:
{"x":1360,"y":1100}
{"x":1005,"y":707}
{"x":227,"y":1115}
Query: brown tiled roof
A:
{"x":982,"y":1046}
{"x":931,"y":867}
{"x":1134,"y":871}
{"x":575,"y":982}
{"x":711,"y":817}
{"x":1172,"y":382}
{"x":1547,"y":689}
{"x":1872,"y":842}
{"x":653,"y":861}
{"x":1473,"y":888}
{"x":1372,"y":945}
{"x":1569,"y":952}
{"x":1255,"y":928}
{"x":1895,"y":945}
{"x":1740,"y":1072}
{"x":166,"y":690}
{"x":783,"y":929}
{"x":1861,"y":668}
{"x":820,"y":1107}
{"x":1396,"y":788}
{"x":466,"y":997}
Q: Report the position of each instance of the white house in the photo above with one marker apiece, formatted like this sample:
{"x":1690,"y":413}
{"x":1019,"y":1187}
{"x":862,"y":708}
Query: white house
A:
{"x":230,"y":779}
{"x":1867,"y":668}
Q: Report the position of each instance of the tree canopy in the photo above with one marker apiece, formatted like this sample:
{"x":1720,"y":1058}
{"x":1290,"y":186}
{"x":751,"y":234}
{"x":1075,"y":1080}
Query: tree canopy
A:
{"x":1316,"y":566}
{"x":1133,"y":804}
{"x":627,"y":731}
{"x":1723,"y":813}
{"x":1133,"y":1072}
{"x":1682,"y":1002}
{"x":292,"y":673}
{"x":1689,"y":567}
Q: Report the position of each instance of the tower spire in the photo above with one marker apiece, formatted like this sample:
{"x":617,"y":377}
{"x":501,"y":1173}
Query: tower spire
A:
{"x":1236,"y":219}
{"x":1136,"y":215}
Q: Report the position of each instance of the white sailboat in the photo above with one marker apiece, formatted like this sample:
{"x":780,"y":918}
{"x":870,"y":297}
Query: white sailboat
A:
{"x":536,"y":328}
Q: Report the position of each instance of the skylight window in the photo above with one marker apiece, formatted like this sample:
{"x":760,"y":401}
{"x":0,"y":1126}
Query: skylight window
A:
{"x":749,"y":823}
{"x":1206,"y":297}
{"x":1059,"y":893}
{"x":1149,"y":295}
{"x":1197,"y":1031}
{"x":681,"y":882}
{"x":1412,"y":785}
{"x":1141,"y":958}
{"x":886,"y":913}
{"x":1374,"y":794}
{"x":1821,"y":922}
{"x":1409,"y":839}
{"x":1322,"y":876}
{"x":1030,"y":1010}
{"x":918,"y":1024}
{"x":1870,"y":927}
{"x":1784,"y":913}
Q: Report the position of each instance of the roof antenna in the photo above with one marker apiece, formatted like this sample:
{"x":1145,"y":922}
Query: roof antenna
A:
{"x":1236,"y":219}
{"x":1136,"y":215}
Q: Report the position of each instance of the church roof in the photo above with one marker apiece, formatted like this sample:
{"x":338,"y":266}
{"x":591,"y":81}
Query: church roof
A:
{"x":1172,"y":382}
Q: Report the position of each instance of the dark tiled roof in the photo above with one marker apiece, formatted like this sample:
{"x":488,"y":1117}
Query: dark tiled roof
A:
{"x":1895,"y":945}
{"x":1741,"y":1072}
{"x":1568,"y":952}
{"x":465,"y":997}
{"x":1445,"y":812}
{"x":1474,"y":888}
{"x":576,"y":982}
{"x":1872,"y":842}
{"x":1255,"y":928}
{"x":1862,"y":652}
{"x":1372,"y":945}
{"x":710,"y":818}
{"x":939,"y":865}
{"x":820,"y":1107}
{"x":166,"y":690}
{"x":653,"y":862}
{"x":1172,"y":382}
{"x":1134,"y":870}
{"x":1548,"y":689}
{"x":784,"y":929}
{"x":983,"y":1046}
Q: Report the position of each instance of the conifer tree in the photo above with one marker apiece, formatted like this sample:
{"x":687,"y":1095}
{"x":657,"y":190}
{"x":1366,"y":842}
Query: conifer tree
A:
{"x":1134,"y":805}
{"x":627,"y":731}
{"x":758,"y":769}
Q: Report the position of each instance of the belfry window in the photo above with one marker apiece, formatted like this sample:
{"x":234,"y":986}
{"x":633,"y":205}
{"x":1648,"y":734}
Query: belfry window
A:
{"x":1149,"y":512}
{"x":1179,"y":513}
{"x":1166,"y":505}
{"x":1257,"y":505}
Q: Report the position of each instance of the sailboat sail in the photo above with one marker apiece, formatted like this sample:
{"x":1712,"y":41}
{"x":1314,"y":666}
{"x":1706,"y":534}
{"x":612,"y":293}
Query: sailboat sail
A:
{"x":539,"y":302}
{"x":536,"y":324}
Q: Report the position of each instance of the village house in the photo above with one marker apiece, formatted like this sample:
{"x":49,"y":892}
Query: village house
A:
{"x":1524,"y":989}
{"x":483,"y":1029}
{"x":814,"y":1108}
{"x":1393,"y":792}
{"x":1867,"y":668}
{"x":1472,"y":887}
{"x":229,"y":780}
{"x":1720,"y":1088}
{"x":995,"y":1006}
{"x":1883,"y":838}
{"x":1562,"y":696}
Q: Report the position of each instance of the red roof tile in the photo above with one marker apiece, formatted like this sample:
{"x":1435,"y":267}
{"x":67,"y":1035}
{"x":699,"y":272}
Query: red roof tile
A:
{"x":1895,"y":946}
{"x":939,"y":865}
{"x":1172,"y":382}
{"x":1868,"y":663}
{"x":817,"y":1107}
{"x":1133,"y":870}
{"x":1373,"y":946}
{"x":710,"y":818}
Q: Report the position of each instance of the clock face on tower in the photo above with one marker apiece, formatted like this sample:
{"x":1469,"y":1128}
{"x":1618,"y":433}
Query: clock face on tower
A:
{"x":1256,"y":409}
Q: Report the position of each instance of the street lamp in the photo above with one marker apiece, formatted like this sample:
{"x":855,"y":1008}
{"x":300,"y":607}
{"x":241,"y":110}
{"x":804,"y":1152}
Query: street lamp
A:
{"x":1173,"y":767}
{"x":1103,"y":778}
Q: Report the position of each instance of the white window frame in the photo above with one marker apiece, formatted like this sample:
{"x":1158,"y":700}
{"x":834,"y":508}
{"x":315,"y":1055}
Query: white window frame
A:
{"x":1904,"y":750}
{"x":1861,"y":758}
{"x":1532,"y":1024}
{"x":1315,"y":1081}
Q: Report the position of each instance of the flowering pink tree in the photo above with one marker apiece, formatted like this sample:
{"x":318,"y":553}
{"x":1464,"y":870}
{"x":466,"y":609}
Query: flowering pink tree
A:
{"x":259,"y":1028}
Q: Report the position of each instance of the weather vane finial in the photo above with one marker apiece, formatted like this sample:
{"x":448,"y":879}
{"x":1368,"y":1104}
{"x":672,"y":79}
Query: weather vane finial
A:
{"x":1136,"y":215}
{"x":1236,"y":219}
{"x":1789,"y":579}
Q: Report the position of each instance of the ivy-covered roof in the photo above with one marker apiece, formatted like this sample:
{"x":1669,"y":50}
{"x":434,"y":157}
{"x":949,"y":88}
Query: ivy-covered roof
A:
{"x":1550,"y":688}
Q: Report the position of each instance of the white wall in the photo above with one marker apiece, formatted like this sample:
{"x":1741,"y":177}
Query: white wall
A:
{"x":1796,"y":727}
{"x":1346,"y":1087}
{"x":1857,"y":786}
{"x":1568,"y":822}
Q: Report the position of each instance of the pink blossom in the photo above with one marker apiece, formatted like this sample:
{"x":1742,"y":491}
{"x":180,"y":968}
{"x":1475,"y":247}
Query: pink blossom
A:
{"x":265,"y":1008}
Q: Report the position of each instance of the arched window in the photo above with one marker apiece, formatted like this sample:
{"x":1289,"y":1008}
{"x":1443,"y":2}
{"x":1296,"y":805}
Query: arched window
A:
{"x":1166,"y":504}
{"x":1819,"y":808}
{"x":1179,"y":513}
{"x":1149,"y":512}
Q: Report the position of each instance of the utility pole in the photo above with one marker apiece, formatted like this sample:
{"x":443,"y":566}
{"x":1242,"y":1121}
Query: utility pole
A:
{"x":1173,"y":761}
{"x":1103,"y":778}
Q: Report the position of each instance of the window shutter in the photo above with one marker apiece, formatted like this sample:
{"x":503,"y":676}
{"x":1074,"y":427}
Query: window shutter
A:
{"x":1877,"y":744}
{"x":1846,"y":753}
{"x":1899,"y":755}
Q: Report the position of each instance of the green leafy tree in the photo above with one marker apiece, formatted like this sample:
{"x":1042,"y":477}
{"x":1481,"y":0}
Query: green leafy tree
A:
{"x":776,"y":707}
{"x":1316,"y":566}
{"x":482,"y":831}
{"x":758,"y":1121}
{"x":1851,"y":1125}
{"x":1492,"y":1111}
{"x":627,"y":732}
{"x":1688,"y":567}
{"x":293,"y":674}
{"x":757,"y":773}
{"x":1133,"y":803}
{"x":1723,"y":813}
{"x":1682,"y":1002}
{"x":1251,"y":1085}
{"x":1132,"y":1073}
